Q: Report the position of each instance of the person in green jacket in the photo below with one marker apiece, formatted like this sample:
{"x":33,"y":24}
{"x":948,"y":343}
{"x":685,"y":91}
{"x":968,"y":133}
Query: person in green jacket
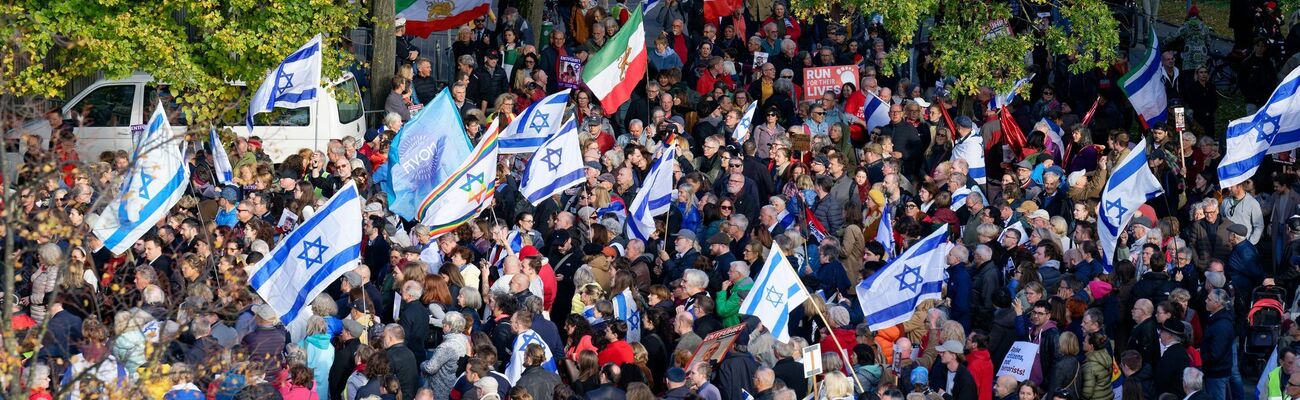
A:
{"x":1286,"y":358}
{"x":734,"y":290}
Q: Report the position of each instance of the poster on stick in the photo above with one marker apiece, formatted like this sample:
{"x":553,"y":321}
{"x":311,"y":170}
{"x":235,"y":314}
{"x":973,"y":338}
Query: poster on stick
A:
{"x":821,"y":79}
{"x":1019,"y":361}
{"x":716,"y":345}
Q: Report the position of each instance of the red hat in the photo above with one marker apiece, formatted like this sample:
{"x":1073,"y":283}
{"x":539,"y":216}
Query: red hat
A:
{"x":255,"y":142}
{"x":1193,"y":12}
{"x":529,"y":251}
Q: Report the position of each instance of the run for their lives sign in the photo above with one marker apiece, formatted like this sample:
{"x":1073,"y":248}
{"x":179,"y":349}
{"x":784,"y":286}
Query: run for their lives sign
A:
{"x":821,"y":79}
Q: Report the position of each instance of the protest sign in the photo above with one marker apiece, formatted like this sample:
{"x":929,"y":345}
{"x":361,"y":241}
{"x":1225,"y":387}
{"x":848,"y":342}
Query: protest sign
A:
{"x":716,"y":344}
{"x":812,"y":360}
{"x":570,"y":72}
{"x":821,"y":79}
{"x":1019,"y":361}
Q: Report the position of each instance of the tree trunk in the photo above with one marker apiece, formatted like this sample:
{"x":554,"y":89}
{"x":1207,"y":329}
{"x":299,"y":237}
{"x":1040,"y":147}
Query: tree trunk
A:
{"x":535,"y":10}
{"x":383,"y":55}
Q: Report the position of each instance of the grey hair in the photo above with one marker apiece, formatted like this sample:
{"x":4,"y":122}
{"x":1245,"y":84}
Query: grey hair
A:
{"x":583,"y":276}
{"x":454,"y":322}
{"x":784,"y":394}
{"x":1209,"y":202}
{"x":783,"y":86}
{"x":988,"y":229}
{"x":961,"y":252}
{"x":154,"y":295}
{"x":471,"y":299}
{"x":740,"y":267}
{"x":51,"y":254}
{"x":413,"y":288}
{"x":324,"y":306}
{"x":533,"y":304}
{"x":1193,"y":379}
{"x":741,"y":221}
{"x":983,"y":252}
{"x":784,"y":350}
{"x":392,"y":118}
{"x":315,"y":324}
{"x":1215,"y":278}
{"x":695,"y":278}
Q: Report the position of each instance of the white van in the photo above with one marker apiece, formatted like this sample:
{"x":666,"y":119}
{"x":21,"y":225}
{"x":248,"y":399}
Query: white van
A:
{"x":109,"y":109}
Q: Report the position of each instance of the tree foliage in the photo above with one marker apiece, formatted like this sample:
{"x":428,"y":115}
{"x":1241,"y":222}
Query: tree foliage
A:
{"x":196,"y":46}
{"x":969,"y":43}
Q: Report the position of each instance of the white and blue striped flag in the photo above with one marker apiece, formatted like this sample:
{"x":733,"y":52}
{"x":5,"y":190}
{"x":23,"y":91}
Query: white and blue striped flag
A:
{"x":1003,"y":99}
{"x":971,"y":149}
{"x":885,"y":233}
{"x":220,"y":160}
{"x":1143,"y":86}
{"x":777,"y":292}
{"x":556,"y":166}
{"x":1275,"y":128}
{"x":530,"y":129}
{"x":156,"y":181}
{"x":313,"y":256}
{"x":294,"y":84}
{"x":746,"y":124}
{"x":959,"y":198}
{"x":519,"y":352}
{"x":655,"y":195}
{"x":625,"y":309}
{"x":1130,"y":185}
{"x":876,"y":112}
{"x":915,"y":275}
{"x":786,"y":220}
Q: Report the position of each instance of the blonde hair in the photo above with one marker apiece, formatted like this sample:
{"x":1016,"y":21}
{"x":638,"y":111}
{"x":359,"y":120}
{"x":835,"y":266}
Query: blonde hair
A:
{"x":837,"y":385}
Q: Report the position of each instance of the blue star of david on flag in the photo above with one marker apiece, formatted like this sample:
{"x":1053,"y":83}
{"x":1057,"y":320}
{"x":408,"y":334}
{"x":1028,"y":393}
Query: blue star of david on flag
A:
{"x":1267,"y":127}
{"x":552,"y":159}
{"x":145,"y":180}
{"x":283,"y":81}
{"x":1114,"y":209}
{"x":470,"y":179}
{"x":774,"y":297}
{"x":306,"y":255}
{"x":910,"y":278}
{"x":543,"y":124}
{"x":634,"y":320}
{"x":529,"y":338}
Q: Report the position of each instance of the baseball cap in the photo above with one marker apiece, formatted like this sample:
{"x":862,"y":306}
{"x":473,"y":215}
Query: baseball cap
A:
{"x":920,"y":376}
{"x":686,"y":234}
{"x":353,"y":327}
{"x":265,"y":311}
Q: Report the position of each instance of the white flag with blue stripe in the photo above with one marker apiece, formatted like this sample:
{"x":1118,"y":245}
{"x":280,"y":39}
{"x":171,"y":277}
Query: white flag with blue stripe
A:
{"x":876,"y":111}
{"x":746,"y":124}
{"x":1130,"y":185}
{"x":556,"y":166}
{"x":1144,"y":88}
{"x":1275,"y":128}
{"x":156,"y":181}
{"x":625,"y":309}
{"x":786,"y":220}
{"x":530,"y":129}
{"x":885,"y":232}
{"x":1003,"y":99}
{"x":971,"y":149}
{"x":293,"y":84}
{"x":220,"y":160}
{"x":959,"y":198}
{"x":776,"y":292}
{"x":519,"y":351}
{"x":655,"y":195}
{"x":310,"y":258}
{"x":915,"y":275}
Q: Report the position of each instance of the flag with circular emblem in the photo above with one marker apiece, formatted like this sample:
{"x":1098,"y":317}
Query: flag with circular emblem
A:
{"x":614,"y":71}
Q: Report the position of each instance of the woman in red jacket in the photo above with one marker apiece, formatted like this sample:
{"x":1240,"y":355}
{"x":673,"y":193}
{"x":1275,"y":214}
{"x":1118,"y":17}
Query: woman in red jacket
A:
{"x":980,"y":364}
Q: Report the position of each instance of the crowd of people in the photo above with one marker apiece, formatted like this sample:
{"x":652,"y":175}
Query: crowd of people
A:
{"x":443,"y":317}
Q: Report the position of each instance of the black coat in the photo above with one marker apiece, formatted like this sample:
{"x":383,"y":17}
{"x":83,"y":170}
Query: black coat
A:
{"x":1145,"y":340}
{"x":344,"y":363}
{"x":736,"y":372}
{"x":963,"y":389}
{"x":415,"y":322}
{"x":1169,"y":370}
{"x":606,"y":392}
{"x":790,"y":371}
{"x":405,"y":367}
{"x":538,"y":382}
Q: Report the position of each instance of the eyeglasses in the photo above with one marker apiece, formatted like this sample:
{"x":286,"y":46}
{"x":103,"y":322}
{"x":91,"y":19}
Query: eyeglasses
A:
{"x":243,"y":210}
{"x":726,"y":207}
{"x":1036,"y":312}
{"x":736,"y":165}
{"x":1049,"y":93}
{"x":819,"y":113}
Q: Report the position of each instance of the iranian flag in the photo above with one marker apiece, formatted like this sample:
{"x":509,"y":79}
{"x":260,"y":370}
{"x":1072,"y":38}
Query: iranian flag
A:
{"x":614,"y":71}
{"x":427,"y":16}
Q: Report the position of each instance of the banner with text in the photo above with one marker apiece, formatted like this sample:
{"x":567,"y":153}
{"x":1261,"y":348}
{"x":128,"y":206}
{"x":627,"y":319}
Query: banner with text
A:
{"x":821,"y":79}
{"x":716,"y":345}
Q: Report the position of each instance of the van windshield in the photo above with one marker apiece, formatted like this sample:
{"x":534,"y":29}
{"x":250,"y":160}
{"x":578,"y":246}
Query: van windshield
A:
{"x":349,"y":100}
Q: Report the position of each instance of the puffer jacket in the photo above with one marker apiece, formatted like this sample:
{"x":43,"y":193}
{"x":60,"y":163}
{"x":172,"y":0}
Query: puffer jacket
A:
{"x":869,"y":376}
{"x":1096,"y":377}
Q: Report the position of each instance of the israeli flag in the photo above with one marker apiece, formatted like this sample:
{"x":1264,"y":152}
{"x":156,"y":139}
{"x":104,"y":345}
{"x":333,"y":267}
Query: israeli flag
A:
{"x":885,"y":233}
{"x":971,"y":149}
{"x":625,"y":309}
{"x":914,"y":276}
{"x":156,"y":181}
{"x":785,"y":219}
{"x":655,"y":195}
{"x":556,"y":166}
{"x":650,"y":5}
{"x":311,"y":257}
{"x":1130,"y":185}
{"x":1143,"y":86}
{"x":877,"y":112}
{"x":1055,"y":143}
{"x":220,"y":160}
{"x":530,"y":129}
{"x":1004,"y":99}
{"x":777,"y":292}
{"x":294,"y":84}
{"x":519,"y":350}
{"x":746,"y":123}
{"x":959,"y":198}
{"x":1275,"y":128}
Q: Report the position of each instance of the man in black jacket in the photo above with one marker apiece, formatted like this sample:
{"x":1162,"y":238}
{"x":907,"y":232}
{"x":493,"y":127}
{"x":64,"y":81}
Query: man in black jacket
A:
{"x":737,"y":369}
{"x":789,"y":370}
{"x":414,"y":319}
{"x":345,"y":356}
{"x":488,"y":81}
{"x":1143,"y":339}
{"x":1173,"y":358}
{"x":400,"y":358}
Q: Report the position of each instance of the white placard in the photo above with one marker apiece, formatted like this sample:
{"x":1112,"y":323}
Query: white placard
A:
{"x":812,"y":360}
{"x":1019,"y":361}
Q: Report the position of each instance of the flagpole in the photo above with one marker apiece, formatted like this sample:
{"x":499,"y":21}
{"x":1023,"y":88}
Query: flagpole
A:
{"x":834,"y":339}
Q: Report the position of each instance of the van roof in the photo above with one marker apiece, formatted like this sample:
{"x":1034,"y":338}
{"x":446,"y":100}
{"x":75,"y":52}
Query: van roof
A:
{"x":145,"y":77}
